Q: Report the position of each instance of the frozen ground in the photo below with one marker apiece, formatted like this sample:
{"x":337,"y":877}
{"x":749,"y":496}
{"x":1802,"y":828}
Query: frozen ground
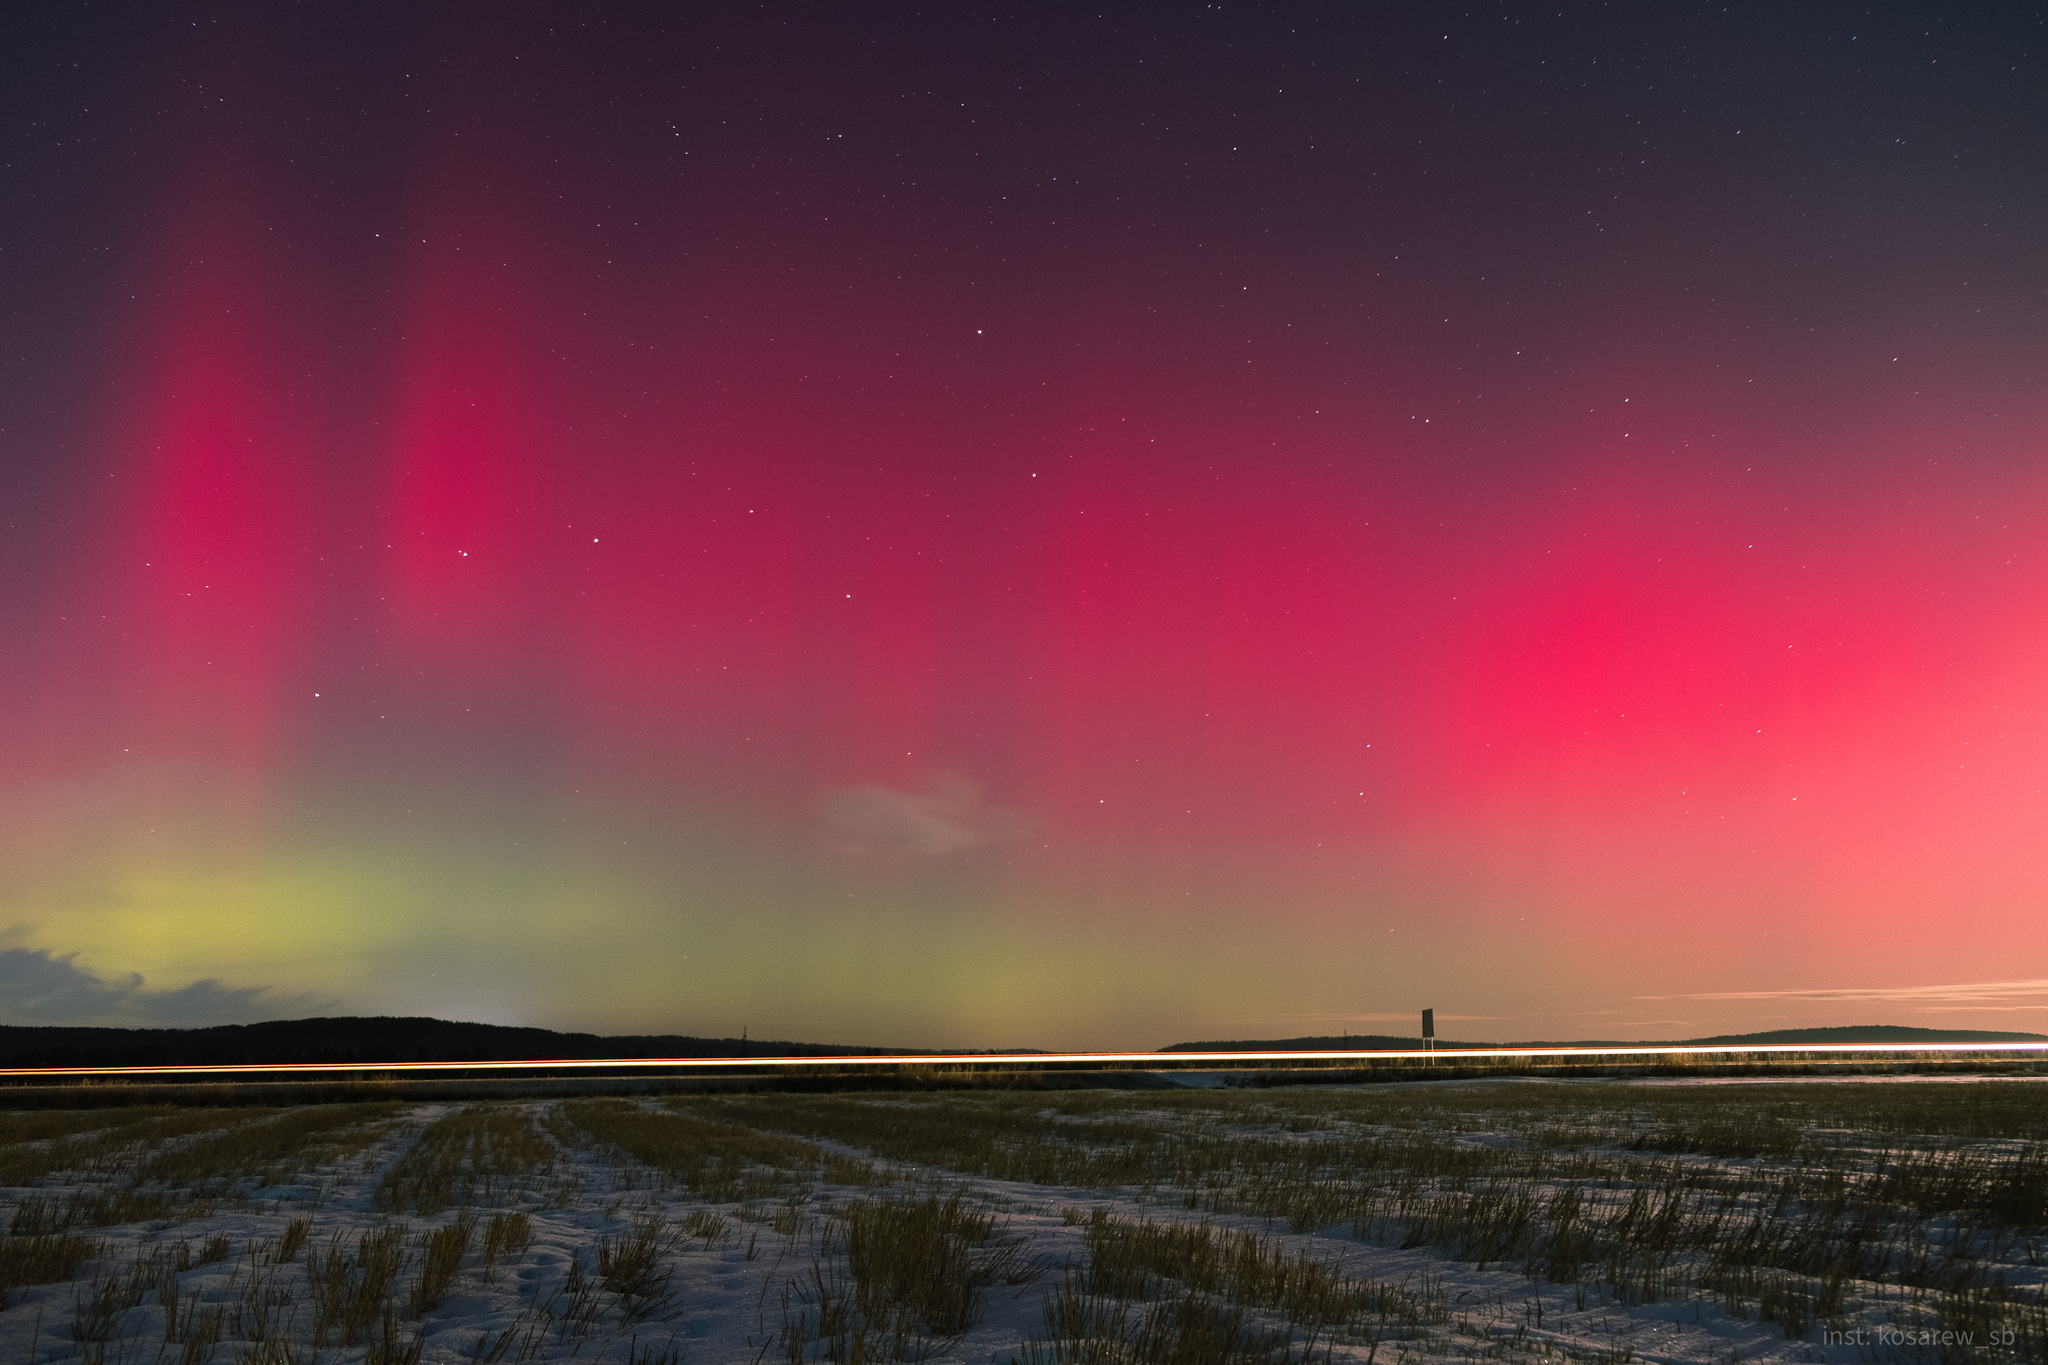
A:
{"x":1603,"y":1223}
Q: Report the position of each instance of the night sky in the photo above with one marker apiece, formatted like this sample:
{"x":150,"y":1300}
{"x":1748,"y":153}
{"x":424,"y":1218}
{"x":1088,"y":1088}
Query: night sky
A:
{"x":1044,"y":525}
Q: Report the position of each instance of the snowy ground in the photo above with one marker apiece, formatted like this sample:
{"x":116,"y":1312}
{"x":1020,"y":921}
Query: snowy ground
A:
{"x":713,"y":1229}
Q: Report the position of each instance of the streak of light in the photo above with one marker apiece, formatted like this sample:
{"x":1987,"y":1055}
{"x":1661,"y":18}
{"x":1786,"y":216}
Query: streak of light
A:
{"x":1120,"y":1059}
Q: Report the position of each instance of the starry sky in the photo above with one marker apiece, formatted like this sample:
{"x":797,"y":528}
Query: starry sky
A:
{"x":1038,"y":525}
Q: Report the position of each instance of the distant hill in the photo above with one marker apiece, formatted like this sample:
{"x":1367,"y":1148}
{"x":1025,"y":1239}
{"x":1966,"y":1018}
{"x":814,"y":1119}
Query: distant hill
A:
{"x":1868,"y":1033}
{"x":381,"y":1040}
{"x":288,"y":1041}
{"x":1845,"y":1036}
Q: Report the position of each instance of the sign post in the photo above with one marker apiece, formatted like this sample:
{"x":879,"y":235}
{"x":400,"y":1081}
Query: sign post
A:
{"x":1429,"y":1032}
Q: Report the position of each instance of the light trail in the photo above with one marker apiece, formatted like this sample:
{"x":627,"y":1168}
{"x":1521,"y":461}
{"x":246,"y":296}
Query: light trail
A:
{"x":1135,"y":1060}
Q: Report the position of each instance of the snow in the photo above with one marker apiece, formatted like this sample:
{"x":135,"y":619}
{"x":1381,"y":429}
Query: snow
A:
{"x":731,"y":1293}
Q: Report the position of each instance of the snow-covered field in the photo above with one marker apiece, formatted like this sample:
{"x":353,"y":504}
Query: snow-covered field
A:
{"x":1595,"y":1222}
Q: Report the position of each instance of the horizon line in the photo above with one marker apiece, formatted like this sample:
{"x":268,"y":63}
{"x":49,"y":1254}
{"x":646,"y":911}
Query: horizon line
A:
{"x":1012,"y":1058}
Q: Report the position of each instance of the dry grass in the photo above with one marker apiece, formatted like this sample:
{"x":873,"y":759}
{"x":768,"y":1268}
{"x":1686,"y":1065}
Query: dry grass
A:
{"x":820,"y":1322}
{"x":571,"y":1311}
{"x":97,"y":1143}
{"x":1631,"y":1196}
{"x":846,"y":1170}
{"x":352,"y":1290}
{"x":104,"y":1208}
{"x":630,"y":1267}
{"x":1802,"y":1207}
{"x":477,"y":1155}
{"x":717,"y":1161}
{"x":292,"y":1239}
{"x":992,"y":1135}
{"x":33,"y":1146}
{"x":1086,"y":1328}
{"x":296,"y":1140}
{"x":273,"y":1351}
{"x":1208,"y":1273}
{"x":43,"y":1125}
{"x":913,"y":1282}
{"x":100,"y":1303}
{"x":441,"y":1253}
{"x":706,"y":1224}
{"x":200,"y":1333}
{"x":918,"y":1258}
{"x":390,"y":1348}
{"x":506,"y":1236}
{"x":267,"y":1307}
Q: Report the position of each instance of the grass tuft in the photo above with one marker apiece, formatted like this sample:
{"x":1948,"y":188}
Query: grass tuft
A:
{"x":44,"y":1258}
{"x":388,"y":1349}
{"x":917,"y":1257}
{"x":352,"y":1289}
{"x":292,"y":1239}
{"x":507,"y":1236}
{"x":441,"y":1253}
{"x":631,"y":1267}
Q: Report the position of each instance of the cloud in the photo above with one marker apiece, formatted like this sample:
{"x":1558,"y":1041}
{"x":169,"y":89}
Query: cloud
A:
{"x":1973,"y":1009}
{"x":1972,"y":995}
{"x":41,"y":987}
{"x":949,"y":817}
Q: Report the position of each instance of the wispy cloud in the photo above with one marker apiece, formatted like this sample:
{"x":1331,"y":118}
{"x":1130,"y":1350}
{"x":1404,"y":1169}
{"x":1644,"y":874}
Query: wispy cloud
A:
{"x":1971,"y":995}
{"x":1972,"y":1009}
{"x":41,"y":987}
{"x":949,"y":817}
